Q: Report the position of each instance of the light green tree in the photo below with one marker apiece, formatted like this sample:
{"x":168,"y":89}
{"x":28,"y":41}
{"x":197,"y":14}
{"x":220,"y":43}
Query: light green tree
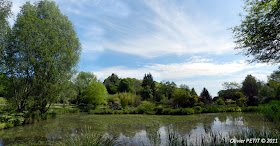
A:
{"x":95,"y":94}
{"x":41,"y":56}
{"x":182,"y":98}
{"x":82,"y":82}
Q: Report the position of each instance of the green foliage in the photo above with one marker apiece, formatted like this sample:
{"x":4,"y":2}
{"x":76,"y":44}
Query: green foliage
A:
{"x":147,"y":93}
{"x":95,"y":94}
{"x":193,"y":93}
{"x":250,"y":109}
{"x":82,"y":82}
{"x":2,"y":100}
{"x":231,"y":85}
{"x":126,"y":99}
{"x":241,"y":101}
{"x":183,"y":98}
{"x":112,"y":83}
{"x":148,"y":87}
{"x":45,"y":43}
{"x":126,"y":85}
{"x":220,"y":101}
{"x":2,"y":125}
{"x":68,"y":93}
{"x":205,"y":96}
{"x":165,"y":89}
{"x":230,"y":102}
{"x":197,"y":109}
{"x":272,"y":111}
{"x":250,"y":88}
{"x":137,"y":84}
{"x":275,"y":76}
{"x":188,"y":111}
{"x":147,"y":107}
{"x":4,"y":85}
{"x":258,"y":34}
{"x":267,"y":93}
{"x":164,"y":100}
{"x":211,"y":109}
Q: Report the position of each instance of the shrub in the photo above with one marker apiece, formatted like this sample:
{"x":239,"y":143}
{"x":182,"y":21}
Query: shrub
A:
{"x":166,"y":101}
{"x":197,"y":109}
{"x":166,"y":111}
{"x":2,"y":125}
{"x":238,"y":109}
{"x":18,"y":121}
{"x":159,"y":109}
{"x":123,"y":98}
{"x":272,"y":111}
{"x":128,"y":99}
{"x":211,"y":109}
{"x":230,"y":109}
{"x":147,"y":107}
{"x":175,"y":111}
{"x":9,"y":125}
{"x":2,"y":100}
{"x":220,"y":101}
{"x":187,"y":111}
{"x":250,"y":109}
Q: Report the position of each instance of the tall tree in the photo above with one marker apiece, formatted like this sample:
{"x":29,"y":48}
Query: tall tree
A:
{"x":205,"y":96}
{"x":42,"y":52}
{"x":275,"y":76}
{"x":258,"y":33}
{"x":126,"y":85}
{"x":5,"y":13}
{"x":148,"y":87}
{"x":112,"y":83}
{"x":166,"y":89}
{"x":250,"y":88}
{"x":193,"y":93}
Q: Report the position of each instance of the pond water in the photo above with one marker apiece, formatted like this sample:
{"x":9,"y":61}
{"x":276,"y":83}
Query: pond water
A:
{"x":127,"y":128}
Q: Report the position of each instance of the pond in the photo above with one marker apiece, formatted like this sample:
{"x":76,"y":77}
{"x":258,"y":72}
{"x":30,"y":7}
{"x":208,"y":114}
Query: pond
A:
{"x":127,"y":128}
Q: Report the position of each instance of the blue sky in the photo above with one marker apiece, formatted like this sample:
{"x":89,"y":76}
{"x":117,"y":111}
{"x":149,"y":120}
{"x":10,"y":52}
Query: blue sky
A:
{"x":188,"y":42}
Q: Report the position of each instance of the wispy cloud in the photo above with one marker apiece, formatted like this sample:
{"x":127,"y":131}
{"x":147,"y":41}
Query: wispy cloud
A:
{"x":157,"y":28}
{"x":172,"y":30}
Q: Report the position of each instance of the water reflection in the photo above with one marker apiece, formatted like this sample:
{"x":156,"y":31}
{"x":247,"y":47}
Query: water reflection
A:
{"x":137,"y":129}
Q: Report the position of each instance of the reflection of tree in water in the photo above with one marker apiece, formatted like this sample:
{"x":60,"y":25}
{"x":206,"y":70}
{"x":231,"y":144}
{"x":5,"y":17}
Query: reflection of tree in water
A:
{"x":184,"y":128}
{"x":153,"y":134}
{"x":258,"y":122}
{"x":222,"y":118}
{"x":208,"y":123}
{"x":127,"y":130}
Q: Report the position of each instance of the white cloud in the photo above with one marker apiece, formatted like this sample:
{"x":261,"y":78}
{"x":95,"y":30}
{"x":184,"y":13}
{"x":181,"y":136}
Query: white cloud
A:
{"x":173,"y":31}
{"x":166,"y":28}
